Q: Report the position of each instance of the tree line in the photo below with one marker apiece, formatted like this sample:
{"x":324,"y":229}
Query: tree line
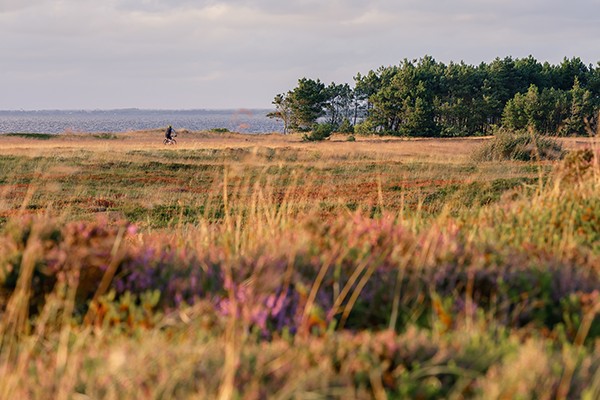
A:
{"x":425,"y":97}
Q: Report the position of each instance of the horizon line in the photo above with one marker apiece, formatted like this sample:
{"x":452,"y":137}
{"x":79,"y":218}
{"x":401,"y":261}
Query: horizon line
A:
{"x":133,"y":109}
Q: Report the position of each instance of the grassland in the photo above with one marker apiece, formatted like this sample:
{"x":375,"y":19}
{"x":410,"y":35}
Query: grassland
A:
{"x":242,"y":266}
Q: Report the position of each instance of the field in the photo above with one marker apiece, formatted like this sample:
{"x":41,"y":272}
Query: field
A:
{"x":260,"y":266}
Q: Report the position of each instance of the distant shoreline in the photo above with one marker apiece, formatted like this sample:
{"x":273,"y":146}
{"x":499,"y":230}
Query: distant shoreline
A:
{"x":145,"y":110}
{"x":243,"y":120}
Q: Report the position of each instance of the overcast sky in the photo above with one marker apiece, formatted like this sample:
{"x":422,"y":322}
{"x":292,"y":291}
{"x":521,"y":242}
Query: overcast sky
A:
{"x":171,"y":54}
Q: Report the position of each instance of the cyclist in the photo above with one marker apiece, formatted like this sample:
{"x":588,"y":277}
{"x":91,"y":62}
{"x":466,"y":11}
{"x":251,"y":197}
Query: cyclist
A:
{"x":169,"y":134}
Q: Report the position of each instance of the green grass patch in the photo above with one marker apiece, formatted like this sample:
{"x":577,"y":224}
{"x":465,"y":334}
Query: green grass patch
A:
{"x":164,"y":215}
{"x":476,"y":193}
{"x":36,"y":136}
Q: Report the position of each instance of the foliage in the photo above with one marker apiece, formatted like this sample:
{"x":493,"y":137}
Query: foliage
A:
{"x":577,"y":165}
{"x":507,"y":145}
{"x":357,"y":274}
{"x":39,"y":136}
{"x":306,"y":102}
{"x":87,"y":250}
{"x":283,"y":110}
{"x":364,"y":128}
{"x":220,"y":130}
{"x":551,"y":111}
{"x":300,"y":108}
{"x":128,"y":312}
{"x":338,"y":104}
{"x":319,"y":132}
{"x":428,"y":98}
{"x":345,"y":127}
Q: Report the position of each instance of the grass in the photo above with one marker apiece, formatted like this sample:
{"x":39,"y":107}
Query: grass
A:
{"x":38,"y":136}
{"x":236,"y":266}
{"x":520,"y":147}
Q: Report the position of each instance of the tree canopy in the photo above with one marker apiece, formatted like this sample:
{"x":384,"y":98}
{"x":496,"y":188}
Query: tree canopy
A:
{"x":425,"y":97}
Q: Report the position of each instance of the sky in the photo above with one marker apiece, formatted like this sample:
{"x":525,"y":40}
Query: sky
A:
{"x":227,"y":54}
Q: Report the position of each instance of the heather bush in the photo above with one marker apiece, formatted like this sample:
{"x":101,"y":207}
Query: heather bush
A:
{"x":84,"y":249}
{"x":366,"y":274}
{"x":180,"y":276}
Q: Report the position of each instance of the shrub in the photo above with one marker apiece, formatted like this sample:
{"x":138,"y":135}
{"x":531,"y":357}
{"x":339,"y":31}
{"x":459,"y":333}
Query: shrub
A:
{"x":345,"y":127}
{"x":84,"y":249}
{"x":508,"y":145}
{"x":439,"y":269}
{"x":319,"y":132}
{"x":451,"y":131}
{"x":578,"y":165}
{"x":38,"y":136}
{"x":364,"y":128}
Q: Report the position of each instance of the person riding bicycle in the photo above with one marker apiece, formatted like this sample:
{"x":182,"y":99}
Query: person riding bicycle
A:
{"x":169,"y":133}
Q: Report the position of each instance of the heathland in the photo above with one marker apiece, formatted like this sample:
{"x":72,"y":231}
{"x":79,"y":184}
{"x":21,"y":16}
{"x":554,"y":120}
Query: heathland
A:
{"x":262,"y":266}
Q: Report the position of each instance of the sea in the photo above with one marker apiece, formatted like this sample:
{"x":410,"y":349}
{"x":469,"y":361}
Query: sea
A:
{"x":252,"y":121}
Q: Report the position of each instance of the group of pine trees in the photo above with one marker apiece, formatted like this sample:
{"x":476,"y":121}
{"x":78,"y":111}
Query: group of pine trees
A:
{"x":428,"y":98}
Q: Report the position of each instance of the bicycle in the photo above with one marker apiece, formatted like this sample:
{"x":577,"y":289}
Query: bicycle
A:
{"x":171,"y":140}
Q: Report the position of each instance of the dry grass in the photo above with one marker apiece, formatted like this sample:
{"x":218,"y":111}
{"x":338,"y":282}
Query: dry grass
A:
{"x":388,"y":149}
{"x":458,"y":258}
{"x":84,"y":172}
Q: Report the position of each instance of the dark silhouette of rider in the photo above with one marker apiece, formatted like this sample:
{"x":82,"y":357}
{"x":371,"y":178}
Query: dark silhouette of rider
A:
{"x":169,"y":133}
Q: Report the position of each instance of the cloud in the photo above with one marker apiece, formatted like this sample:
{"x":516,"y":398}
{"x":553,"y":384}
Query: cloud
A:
{"x":16,"y":5}
{"x":215,"y":53}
